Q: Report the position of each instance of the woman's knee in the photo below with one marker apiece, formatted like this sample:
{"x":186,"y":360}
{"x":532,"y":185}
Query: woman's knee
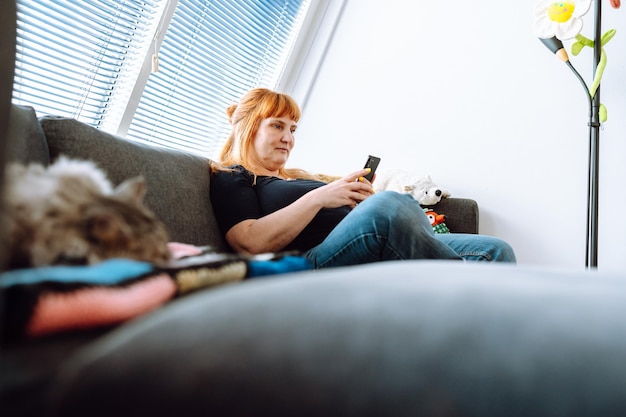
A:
{"x":504,"y":252}
{"x":398,"y":210}
{"x":497,"y":250}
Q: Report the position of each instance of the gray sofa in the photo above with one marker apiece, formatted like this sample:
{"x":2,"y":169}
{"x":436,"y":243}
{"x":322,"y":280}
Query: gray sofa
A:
{"x":396,"y":338}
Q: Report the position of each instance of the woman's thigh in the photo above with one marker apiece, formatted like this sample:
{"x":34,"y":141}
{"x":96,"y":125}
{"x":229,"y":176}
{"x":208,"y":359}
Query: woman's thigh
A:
{"x":386,"y":226}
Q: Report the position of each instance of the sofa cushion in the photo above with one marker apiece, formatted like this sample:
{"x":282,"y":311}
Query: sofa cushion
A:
{"x":400,"y":338}
{"x":177,"y":182}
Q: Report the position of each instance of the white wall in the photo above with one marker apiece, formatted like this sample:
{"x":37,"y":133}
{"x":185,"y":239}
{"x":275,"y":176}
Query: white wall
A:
{"x":467,"y":94}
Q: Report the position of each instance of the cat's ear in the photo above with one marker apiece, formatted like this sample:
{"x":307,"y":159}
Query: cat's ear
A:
{"x":132,"y":190}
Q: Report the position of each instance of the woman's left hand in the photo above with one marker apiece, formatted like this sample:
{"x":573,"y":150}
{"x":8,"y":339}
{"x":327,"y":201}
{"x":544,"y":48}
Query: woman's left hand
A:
{"x":364,"y":188}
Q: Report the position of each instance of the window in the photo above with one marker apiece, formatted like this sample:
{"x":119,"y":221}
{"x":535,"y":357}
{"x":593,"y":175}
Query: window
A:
{"x":91,"y":59}
{"x":71,"y":55}
{"x":213,"y":52}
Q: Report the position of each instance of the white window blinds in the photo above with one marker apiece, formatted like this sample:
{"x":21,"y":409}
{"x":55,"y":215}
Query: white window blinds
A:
{"x":72,"y":54}
{"x":76,"y":56}
{"x":212,"y":53}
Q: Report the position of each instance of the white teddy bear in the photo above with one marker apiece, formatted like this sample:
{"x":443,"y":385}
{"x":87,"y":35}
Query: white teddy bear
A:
{"x":421,"y":188}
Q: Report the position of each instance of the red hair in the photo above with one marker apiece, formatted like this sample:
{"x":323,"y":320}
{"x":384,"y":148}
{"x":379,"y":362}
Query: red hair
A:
{"x":245,"y":119}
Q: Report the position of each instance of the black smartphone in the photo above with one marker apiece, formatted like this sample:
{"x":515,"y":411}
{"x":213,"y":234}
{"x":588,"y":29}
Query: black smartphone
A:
{"x":372,"y":162}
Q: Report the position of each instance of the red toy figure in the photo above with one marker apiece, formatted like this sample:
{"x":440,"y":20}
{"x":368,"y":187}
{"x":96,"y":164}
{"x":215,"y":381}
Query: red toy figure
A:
{"x":437,"y":221}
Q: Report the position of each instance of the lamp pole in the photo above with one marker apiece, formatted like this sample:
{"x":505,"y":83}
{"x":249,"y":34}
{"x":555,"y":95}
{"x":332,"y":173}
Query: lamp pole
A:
{"x":591,"y":260}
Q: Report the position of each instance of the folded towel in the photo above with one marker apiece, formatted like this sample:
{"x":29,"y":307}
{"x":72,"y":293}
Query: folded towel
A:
{"x":47,"y":300}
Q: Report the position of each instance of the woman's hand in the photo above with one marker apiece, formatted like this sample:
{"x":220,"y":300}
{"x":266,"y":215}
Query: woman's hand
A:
{"x":271,"y":233}
{"x":615,"y":4}
{"x":347,"y":191}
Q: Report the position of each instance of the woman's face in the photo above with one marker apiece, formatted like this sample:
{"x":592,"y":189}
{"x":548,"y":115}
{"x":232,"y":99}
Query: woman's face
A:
{"x":273,"y":142}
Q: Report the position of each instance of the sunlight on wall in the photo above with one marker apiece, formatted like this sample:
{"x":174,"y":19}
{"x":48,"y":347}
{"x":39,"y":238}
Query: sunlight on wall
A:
{"x":479,"y":104}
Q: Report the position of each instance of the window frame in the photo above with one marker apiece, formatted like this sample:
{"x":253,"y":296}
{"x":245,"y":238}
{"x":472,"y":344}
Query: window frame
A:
{"x":310,"y":49}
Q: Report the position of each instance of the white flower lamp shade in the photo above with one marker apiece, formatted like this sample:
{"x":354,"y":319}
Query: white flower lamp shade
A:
{"x":556,"y":21}
{"x":561,"y":19}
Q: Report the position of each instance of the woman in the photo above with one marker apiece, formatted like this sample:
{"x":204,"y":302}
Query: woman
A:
{"x":261,"y":206}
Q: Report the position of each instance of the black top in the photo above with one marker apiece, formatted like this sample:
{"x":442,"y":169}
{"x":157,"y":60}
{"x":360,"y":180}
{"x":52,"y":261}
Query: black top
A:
{"x":236,"y":198}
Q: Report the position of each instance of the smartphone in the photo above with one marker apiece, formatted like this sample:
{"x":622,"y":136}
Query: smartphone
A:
{"x":372,"y":162}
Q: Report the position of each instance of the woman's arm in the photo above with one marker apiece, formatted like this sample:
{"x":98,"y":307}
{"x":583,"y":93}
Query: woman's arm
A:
{"x":274,"y":231}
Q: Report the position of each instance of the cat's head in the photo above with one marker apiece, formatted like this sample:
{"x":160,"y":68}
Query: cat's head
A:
{"x":103,"y":226}
{"x":70,"y":213}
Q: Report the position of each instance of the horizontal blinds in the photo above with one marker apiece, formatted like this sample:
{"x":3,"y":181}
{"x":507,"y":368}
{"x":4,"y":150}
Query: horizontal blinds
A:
{"x":212,"y":53}
{"x":70,"y":54}
{"x":73,"y":56}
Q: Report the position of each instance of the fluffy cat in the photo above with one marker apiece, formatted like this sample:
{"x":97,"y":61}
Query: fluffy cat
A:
{"x":69,"y":213}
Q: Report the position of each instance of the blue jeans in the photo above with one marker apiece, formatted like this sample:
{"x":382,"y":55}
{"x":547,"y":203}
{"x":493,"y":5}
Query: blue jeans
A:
{"x":391,"y":226}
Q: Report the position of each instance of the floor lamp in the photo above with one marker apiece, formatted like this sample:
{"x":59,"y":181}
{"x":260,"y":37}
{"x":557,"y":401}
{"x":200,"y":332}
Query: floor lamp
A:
{"x":557,"y":11}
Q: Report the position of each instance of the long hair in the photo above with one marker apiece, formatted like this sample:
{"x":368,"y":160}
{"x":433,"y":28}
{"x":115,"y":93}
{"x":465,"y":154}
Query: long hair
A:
{"x":245,"y":119}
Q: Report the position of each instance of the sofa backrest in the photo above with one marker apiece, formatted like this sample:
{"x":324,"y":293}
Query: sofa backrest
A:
{"x":177,"y":182}
{"x":26,"y":140}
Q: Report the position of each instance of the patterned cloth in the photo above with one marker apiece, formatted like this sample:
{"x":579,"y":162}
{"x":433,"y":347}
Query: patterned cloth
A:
{"x":47,"y":300}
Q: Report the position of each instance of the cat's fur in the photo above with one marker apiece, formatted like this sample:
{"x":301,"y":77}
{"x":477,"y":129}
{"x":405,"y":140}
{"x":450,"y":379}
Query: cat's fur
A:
{"x":69,"y":213}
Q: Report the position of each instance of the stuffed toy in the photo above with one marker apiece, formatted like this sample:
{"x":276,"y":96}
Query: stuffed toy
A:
{"x":437,"y":221}
{"x":423,"y":189}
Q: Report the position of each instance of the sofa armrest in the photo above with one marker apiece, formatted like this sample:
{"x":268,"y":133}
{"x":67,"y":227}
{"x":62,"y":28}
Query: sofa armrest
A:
{"x":461,"y":214}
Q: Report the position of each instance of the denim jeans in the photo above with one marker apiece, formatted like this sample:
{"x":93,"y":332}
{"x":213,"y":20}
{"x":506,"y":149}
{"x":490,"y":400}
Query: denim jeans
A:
{"x":391,"y":226}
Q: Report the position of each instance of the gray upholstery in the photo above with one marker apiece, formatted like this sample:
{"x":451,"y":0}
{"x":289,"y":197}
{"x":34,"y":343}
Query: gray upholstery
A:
{"x":27,"y":142}
{"x":177,"y":183}
{"x":402,"y":338}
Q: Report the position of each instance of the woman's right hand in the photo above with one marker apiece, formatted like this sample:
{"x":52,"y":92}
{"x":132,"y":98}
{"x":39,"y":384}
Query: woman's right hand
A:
{"x":347,"y":191}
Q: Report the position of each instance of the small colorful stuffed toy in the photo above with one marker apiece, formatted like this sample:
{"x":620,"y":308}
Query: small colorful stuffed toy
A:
{"x":437,"y":221}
